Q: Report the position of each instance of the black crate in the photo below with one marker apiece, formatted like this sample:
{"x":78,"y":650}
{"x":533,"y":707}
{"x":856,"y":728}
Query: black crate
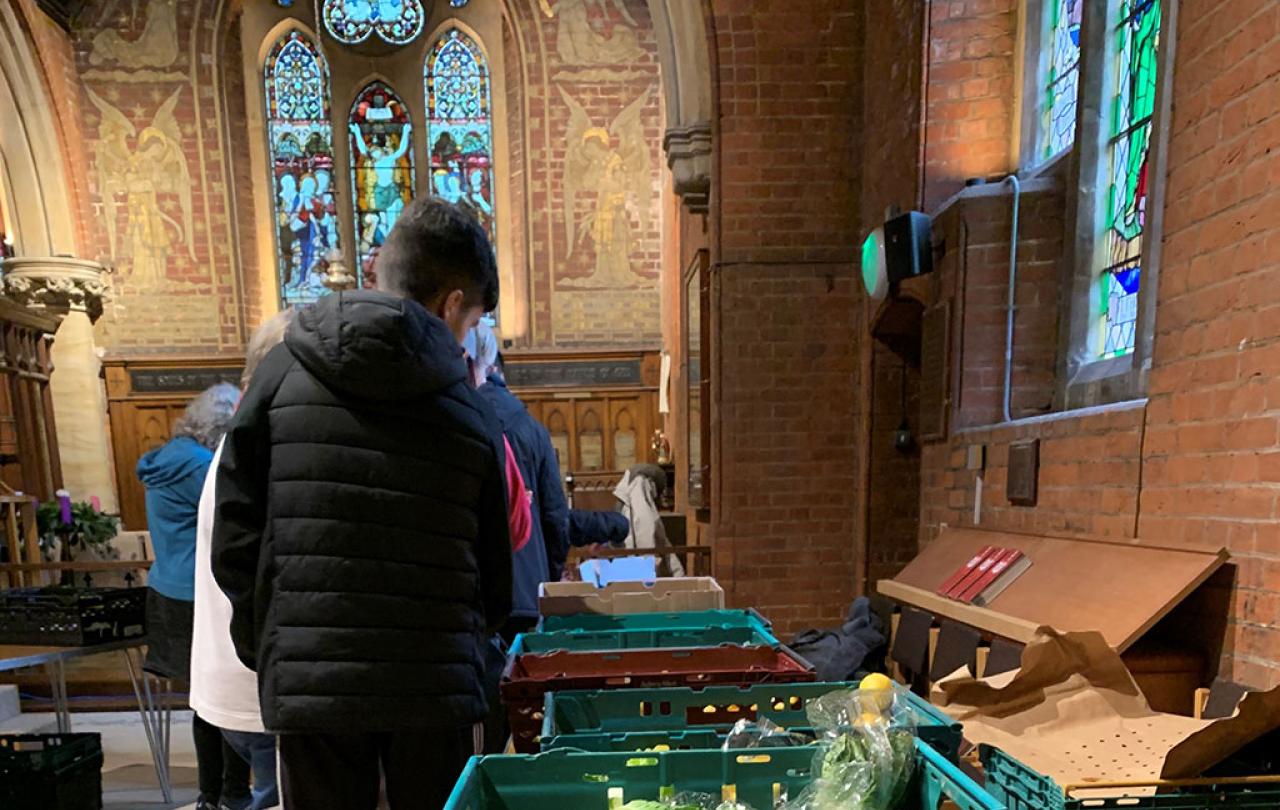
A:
{"x":51,"y":772}
{"x":68,"y":617}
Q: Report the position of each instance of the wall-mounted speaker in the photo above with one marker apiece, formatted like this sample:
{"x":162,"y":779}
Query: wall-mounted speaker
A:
{"x":899,"y":249}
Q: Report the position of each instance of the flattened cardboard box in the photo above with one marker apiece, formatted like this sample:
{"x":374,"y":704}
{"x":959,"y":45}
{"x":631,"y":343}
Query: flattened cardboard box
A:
{"x":1074,"y":714}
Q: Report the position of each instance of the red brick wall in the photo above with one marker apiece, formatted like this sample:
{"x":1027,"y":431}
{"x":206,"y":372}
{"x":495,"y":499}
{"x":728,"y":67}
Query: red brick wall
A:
{"x":786,"y":464}
{"x":243,"y":179}
{"x":894,"y":507}
{"x":569,"y":307}
{"x":193,"y":305}
{"x":1210,"y":468}
{"x":970,"y":97}
{"x":892,"y":61}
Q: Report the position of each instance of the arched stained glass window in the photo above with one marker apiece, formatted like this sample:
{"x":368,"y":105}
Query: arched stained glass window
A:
{"x":381,"y":170}
{"x":459,"y":124}
{"x":354,"y":21}
{"x":301,"y":152}
{"x":1061,"y":85}
{"x":1133,"y":94}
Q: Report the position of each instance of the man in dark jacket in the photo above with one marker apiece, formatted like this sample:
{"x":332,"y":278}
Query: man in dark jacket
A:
{"x":360,"y":529}
{"x":543,"y":558}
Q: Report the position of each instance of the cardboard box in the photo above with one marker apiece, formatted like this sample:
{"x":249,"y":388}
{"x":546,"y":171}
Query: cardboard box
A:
{"x":669,"y":595}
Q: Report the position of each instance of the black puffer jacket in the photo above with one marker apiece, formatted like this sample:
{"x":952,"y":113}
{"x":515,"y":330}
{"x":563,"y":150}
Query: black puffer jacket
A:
{"x":360,"y":528}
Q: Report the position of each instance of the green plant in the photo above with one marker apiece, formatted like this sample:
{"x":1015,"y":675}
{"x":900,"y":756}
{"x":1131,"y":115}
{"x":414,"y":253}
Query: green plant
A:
{"x":88,"y":526}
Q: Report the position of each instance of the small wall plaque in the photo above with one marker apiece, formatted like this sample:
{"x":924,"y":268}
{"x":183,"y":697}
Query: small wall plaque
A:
{"x":1024,"y":473}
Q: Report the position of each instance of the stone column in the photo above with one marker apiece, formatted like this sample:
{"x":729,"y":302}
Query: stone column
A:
{"x":72,"y":290}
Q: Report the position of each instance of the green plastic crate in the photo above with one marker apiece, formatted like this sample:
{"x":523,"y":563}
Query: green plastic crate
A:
{"x":559,"y":780}
{"x":687,"y":620}
{"x":587,"y":641}
{"x":640,"y":719}
{"x":1021,"y":788}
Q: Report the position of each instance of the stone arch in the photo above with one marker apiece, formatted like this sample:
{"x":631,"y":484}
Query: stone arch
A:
{"x":685,"y":58}
{"x":30,"y":156}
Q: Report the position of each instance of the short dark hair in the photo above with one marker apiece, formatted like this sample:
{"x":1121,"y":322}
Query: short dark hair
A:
{"x":437,"y":247}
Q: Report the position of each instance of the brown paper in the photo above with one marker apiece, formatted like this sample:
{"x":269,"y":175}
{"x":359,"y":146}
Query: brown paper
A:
{"x":1074,"y":713}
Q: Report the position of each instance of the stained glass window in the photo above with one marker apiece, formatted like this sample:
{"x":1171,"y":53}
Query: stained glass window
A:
{"x":1062,"y":77}
{"x":381,"y":170}
{"x":301,"y":143}
{"x":1133,"y":48}
{"x":459,"y":125}
{"x":354,"y":21}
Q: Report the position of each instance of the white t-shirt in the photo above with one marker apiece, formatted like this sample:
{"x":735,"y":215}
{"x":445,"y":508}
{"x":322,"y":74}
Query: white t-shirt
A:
{"x":224,"y":691}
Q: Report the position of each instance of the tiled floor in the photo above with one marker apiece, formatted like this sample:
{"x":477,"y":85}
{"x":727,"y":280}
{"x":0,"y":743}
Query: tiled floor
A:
{"x":128,"y":775}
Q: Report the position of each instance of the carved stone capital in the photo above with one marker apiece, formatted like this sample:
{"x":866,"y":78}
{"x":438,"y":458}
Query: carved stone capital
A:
{"x":689,"y":155}
{"x":56,"y":285}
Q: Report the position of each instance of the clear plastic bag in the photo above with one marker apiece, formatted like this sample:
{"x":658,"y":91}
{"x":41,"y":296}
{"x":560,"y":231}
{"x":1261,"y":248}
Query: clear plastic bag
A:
{"x":761,"y":733}
{"x":866,"y":751}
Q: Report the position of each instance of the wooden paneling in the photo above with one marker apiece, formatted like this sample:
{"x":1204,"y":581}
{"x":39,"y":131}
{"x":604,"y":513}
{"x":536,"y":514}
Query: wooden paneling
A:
{"x":145,"y":397}
{"x":28,"y":442}
{"x":601,"y":408}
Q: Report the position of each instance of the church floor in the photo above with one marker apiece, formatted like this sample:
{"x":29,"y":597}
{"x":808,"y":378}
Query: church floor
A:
{"x":128,"y":777}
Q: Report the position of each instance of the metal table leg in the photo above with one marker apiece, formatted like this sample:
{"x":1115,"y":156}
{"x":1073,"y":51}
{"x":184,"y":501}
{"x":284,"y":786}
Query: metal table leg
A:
{"x":156,"y":720}
{"x":57,"y":672}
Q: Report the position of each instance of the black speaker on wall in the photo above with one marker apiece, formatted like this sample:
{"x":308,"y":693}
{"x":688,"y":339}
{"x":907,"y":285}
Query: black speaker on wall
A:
{"x":907,"y":246}
{"x":899,"y":249}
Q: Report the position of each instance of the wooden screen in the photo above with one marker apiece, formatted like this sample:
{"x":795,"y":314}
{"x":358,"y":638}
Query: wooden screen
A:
{"x":28,"y":444}
{"x":145,"y":396}
{"x":601,"y":408}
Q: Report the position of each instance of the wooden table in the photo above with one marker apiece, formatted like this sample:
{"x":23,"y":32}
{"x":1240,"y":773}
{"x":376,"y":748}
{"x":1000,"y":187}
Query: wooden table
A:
{"x":156,"y":718}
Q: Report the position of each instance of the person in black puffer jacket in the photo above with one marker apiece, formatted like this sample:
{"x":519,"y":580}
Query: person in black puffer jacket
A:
{"x":361,"y":526}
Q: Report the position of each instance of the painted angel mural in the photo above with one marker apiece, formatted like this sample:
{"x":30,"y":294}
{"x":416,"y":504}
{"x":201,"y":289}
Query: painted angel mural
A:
{"x":612,"y":166}
{"x":584,"y":35}
{"x":150,"y":172}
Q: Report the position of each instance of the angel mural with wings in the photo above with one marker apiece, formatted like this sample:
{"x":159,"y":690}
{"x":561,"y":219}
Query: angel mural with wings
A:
{"x":142,"y":173}
{"x":613,"y":166}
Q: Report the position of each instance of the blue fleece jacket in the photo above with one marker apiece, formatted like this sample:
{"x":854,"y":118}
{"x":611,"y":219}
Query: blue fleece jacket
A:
{"x":174,"y":475}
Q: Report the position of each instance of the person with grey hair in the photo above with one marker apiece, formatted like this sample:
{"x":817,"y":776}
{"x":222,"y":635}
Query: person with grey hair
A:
{"x":173,"y":475}
{"x":224,"y":692}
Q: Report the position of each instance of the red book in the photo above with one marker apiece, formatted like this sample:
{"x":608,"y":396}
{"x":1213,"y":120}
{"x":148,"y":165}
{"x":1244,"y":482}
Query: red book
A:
{"x":1016,"y":569}
{"x":962,"y":572}
{"x":971,"y":576}
{"x":999,"y":563}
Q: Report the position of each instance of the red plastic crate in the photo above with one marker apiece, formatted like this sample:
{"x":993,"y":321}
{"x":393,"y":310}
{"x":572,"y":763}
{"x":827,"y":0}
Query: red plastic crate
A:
{"x":528,"y":678}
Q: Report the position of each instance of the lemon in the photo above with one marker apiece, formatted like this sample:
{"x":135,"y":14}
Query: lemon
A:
{"x":877,"y":691}
{"x":875,"y":682}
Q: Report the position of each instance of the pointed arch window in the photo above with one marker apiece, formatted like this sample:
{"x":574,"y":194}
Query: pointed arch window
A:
{"x":300,"y":145}
{"x":382,"y":182}
{"x":460,"y":125}
{"x":1135,"y":42}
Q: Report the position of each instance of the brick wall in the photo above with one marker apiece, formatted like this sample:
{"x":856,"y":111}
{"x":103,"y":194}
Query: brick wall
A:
{"x":970,"y":95}
{"x":574,"y":302}
{"x":894,"y":506}
{"x":1195,"y":463}
{"x":786,"y":463}
{"x":1210,"y":468}
{"x":191,"y":302}
{"x":244,"y":177}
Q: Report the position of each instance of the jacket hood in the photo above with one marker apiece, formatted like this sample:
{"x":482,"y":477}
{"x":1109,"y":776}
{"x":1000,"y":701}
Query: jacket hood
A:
{"x":370,"y":344}
{"x":173,"y":461}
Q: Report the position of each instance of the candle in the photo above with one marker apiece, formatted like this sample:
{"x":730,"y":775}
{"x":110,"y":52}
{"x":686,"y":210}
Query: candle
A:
{"x":96,"y":503}
{"x":64,"y":501}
